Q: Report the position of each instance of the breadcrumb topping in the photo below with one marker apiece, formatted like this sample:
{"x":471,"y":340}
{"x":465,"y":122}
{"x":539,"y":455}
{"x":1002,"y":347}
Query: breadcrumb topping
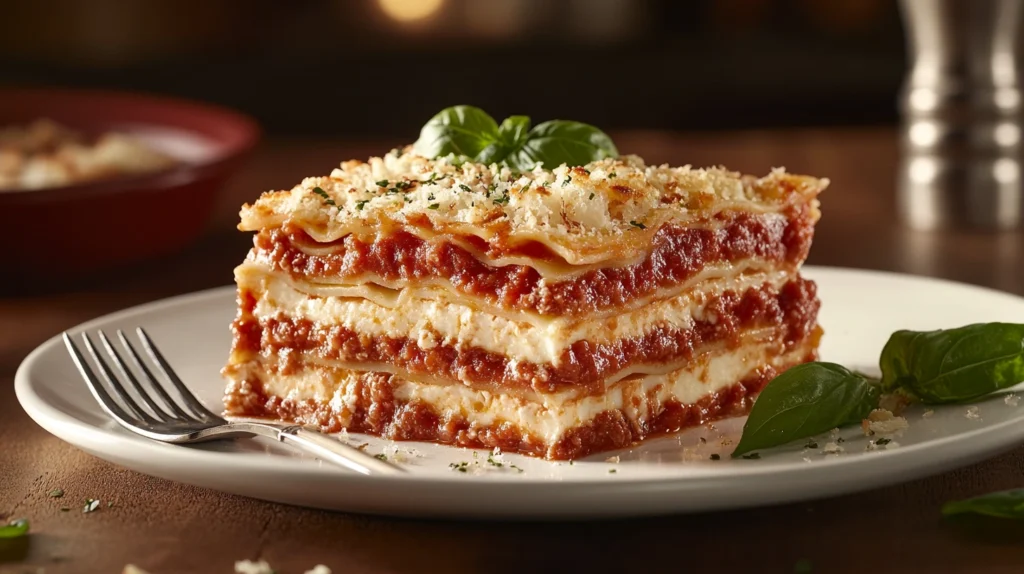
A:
{"x":572,"y":208}
{"x":883,"y":422}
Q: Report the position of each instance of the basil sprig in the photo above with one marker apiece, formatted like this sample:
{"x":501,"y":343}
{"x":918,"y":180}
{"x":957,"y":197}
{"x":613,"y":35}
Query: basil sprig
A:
{"x":15,"y":529}
{"x":806,"y":400}
{"x":934,"y":367}
{"x":1002,"y":504}
{"x":954,"y":365}
{"x":467,"y":132}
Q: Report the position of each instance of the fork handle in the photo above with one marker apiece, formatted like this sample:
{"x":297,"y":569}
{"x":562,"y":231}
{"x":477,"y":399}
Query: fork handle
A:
{"x":317,"y":444}
{"x":331,"y":449}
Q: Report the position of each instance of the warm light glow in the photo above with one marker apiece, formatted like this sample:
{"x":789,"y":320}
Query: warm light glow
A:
{"x":1006,"y":171}
{"x":923,"y":170}
{"x":410,"y":10}
{"x":924,"y":133}
{"x":1007,"y":98}
{"x":923,"y":99}
{"x":1006,"y":134}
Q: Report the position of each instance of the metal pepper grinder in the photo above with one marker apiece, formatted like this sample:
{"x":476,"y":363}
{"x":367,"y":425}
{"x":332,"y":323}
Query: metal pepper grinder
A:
{"x":961,"y":115}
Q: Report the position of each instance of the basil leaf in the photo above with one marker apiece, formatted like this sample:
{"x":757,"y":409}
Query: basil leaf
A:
{"x":514,"y":131}
{"x":15,"y":529}
{"x":806,"y":400}
{"x":954,"y":365}
{"x":460,"y":130}
{"x":556,"y":142}
{"x":1003,"y":504}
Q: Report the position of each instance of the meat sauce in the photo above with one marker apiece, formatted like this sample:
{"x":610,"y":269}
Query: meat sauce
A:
{"x":677,"y":254}
{"x":376,"y":411}
{"x":791,"y":310}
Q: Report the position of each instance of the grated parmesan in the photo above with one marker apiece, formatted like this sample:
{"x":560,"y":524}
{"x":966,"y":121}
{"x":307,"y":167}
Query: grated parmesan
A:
{"x":581,"y":213}
{"x":833,"y":448}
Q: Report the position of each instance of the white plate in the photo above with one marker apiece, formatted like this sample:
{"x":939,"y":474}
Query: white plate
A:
{"x":859,"y":311}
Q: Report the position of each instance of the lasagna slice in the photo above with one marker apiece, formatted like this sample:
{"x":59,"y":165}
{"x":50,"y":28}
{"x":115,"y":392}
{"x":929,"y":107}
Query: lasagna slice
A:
{"x":554,"y":313}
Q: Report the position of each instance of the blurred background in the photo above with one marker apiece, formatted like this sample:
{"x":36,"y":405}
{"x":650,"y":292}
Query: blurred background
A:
{"x":382,"y":67}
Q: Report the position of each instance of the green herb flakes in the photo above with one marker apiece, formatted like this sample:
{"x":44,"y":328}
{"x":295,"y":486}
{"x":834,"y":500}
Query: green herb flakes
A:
{"x":56,"y":493}
{"x":327,"y":199}
{"x":638,"y":225}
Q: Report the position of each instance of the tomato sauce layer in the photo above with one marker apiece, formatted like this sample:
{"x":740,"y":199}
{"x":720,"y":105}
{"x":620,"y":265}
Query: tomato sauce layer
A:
{"x":676,"y":254}
{"x":376,"y":411}
{"x":790,"y":311}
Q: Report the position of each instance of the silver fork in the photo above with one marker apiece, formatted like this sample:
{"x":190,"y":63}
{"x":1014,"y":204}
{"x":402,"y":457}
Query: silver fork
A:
{"x":186,"y":420}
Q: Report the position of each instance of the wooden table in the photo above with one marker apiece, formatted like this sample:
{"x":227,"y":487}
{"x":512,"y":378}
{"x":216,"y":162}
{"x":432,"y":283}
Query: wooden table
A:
{"x":170,"y":528}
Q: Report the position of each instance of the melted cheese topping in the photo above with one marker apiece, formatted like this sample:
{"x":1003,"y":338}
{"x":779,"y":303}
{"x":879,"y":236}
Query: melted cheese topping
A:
{"x":436,"y":321}
{"x":548,"y":416}
{"x":605,"y":210}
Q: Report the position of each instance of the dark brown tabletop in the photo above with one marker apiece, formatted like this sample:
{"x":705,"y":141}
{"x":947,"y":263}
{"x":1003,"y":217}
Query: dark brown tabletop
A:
{"x":168,"y":528}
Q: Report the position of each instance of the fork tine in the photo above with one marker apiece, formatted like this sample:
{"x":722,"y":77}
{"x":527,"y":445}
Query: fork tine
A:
{"x":159,"y":388}
{"x":186,"y":395}
{"x":126,"y":372}
{"x":115,"y":384}
{"x":98,"y":392}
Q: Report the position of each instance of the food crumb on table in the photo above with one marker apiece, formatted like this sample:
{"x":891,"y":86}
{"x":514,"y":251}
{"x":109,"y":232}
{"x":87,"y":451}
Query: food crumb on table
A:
{"x":973,"y":413}
{"x":250,"y":567}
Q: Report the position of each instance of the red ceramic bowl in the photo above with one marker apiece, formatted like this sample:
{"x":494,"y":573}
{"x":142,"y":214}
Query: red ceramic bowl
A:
{"x":62,"y":232}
